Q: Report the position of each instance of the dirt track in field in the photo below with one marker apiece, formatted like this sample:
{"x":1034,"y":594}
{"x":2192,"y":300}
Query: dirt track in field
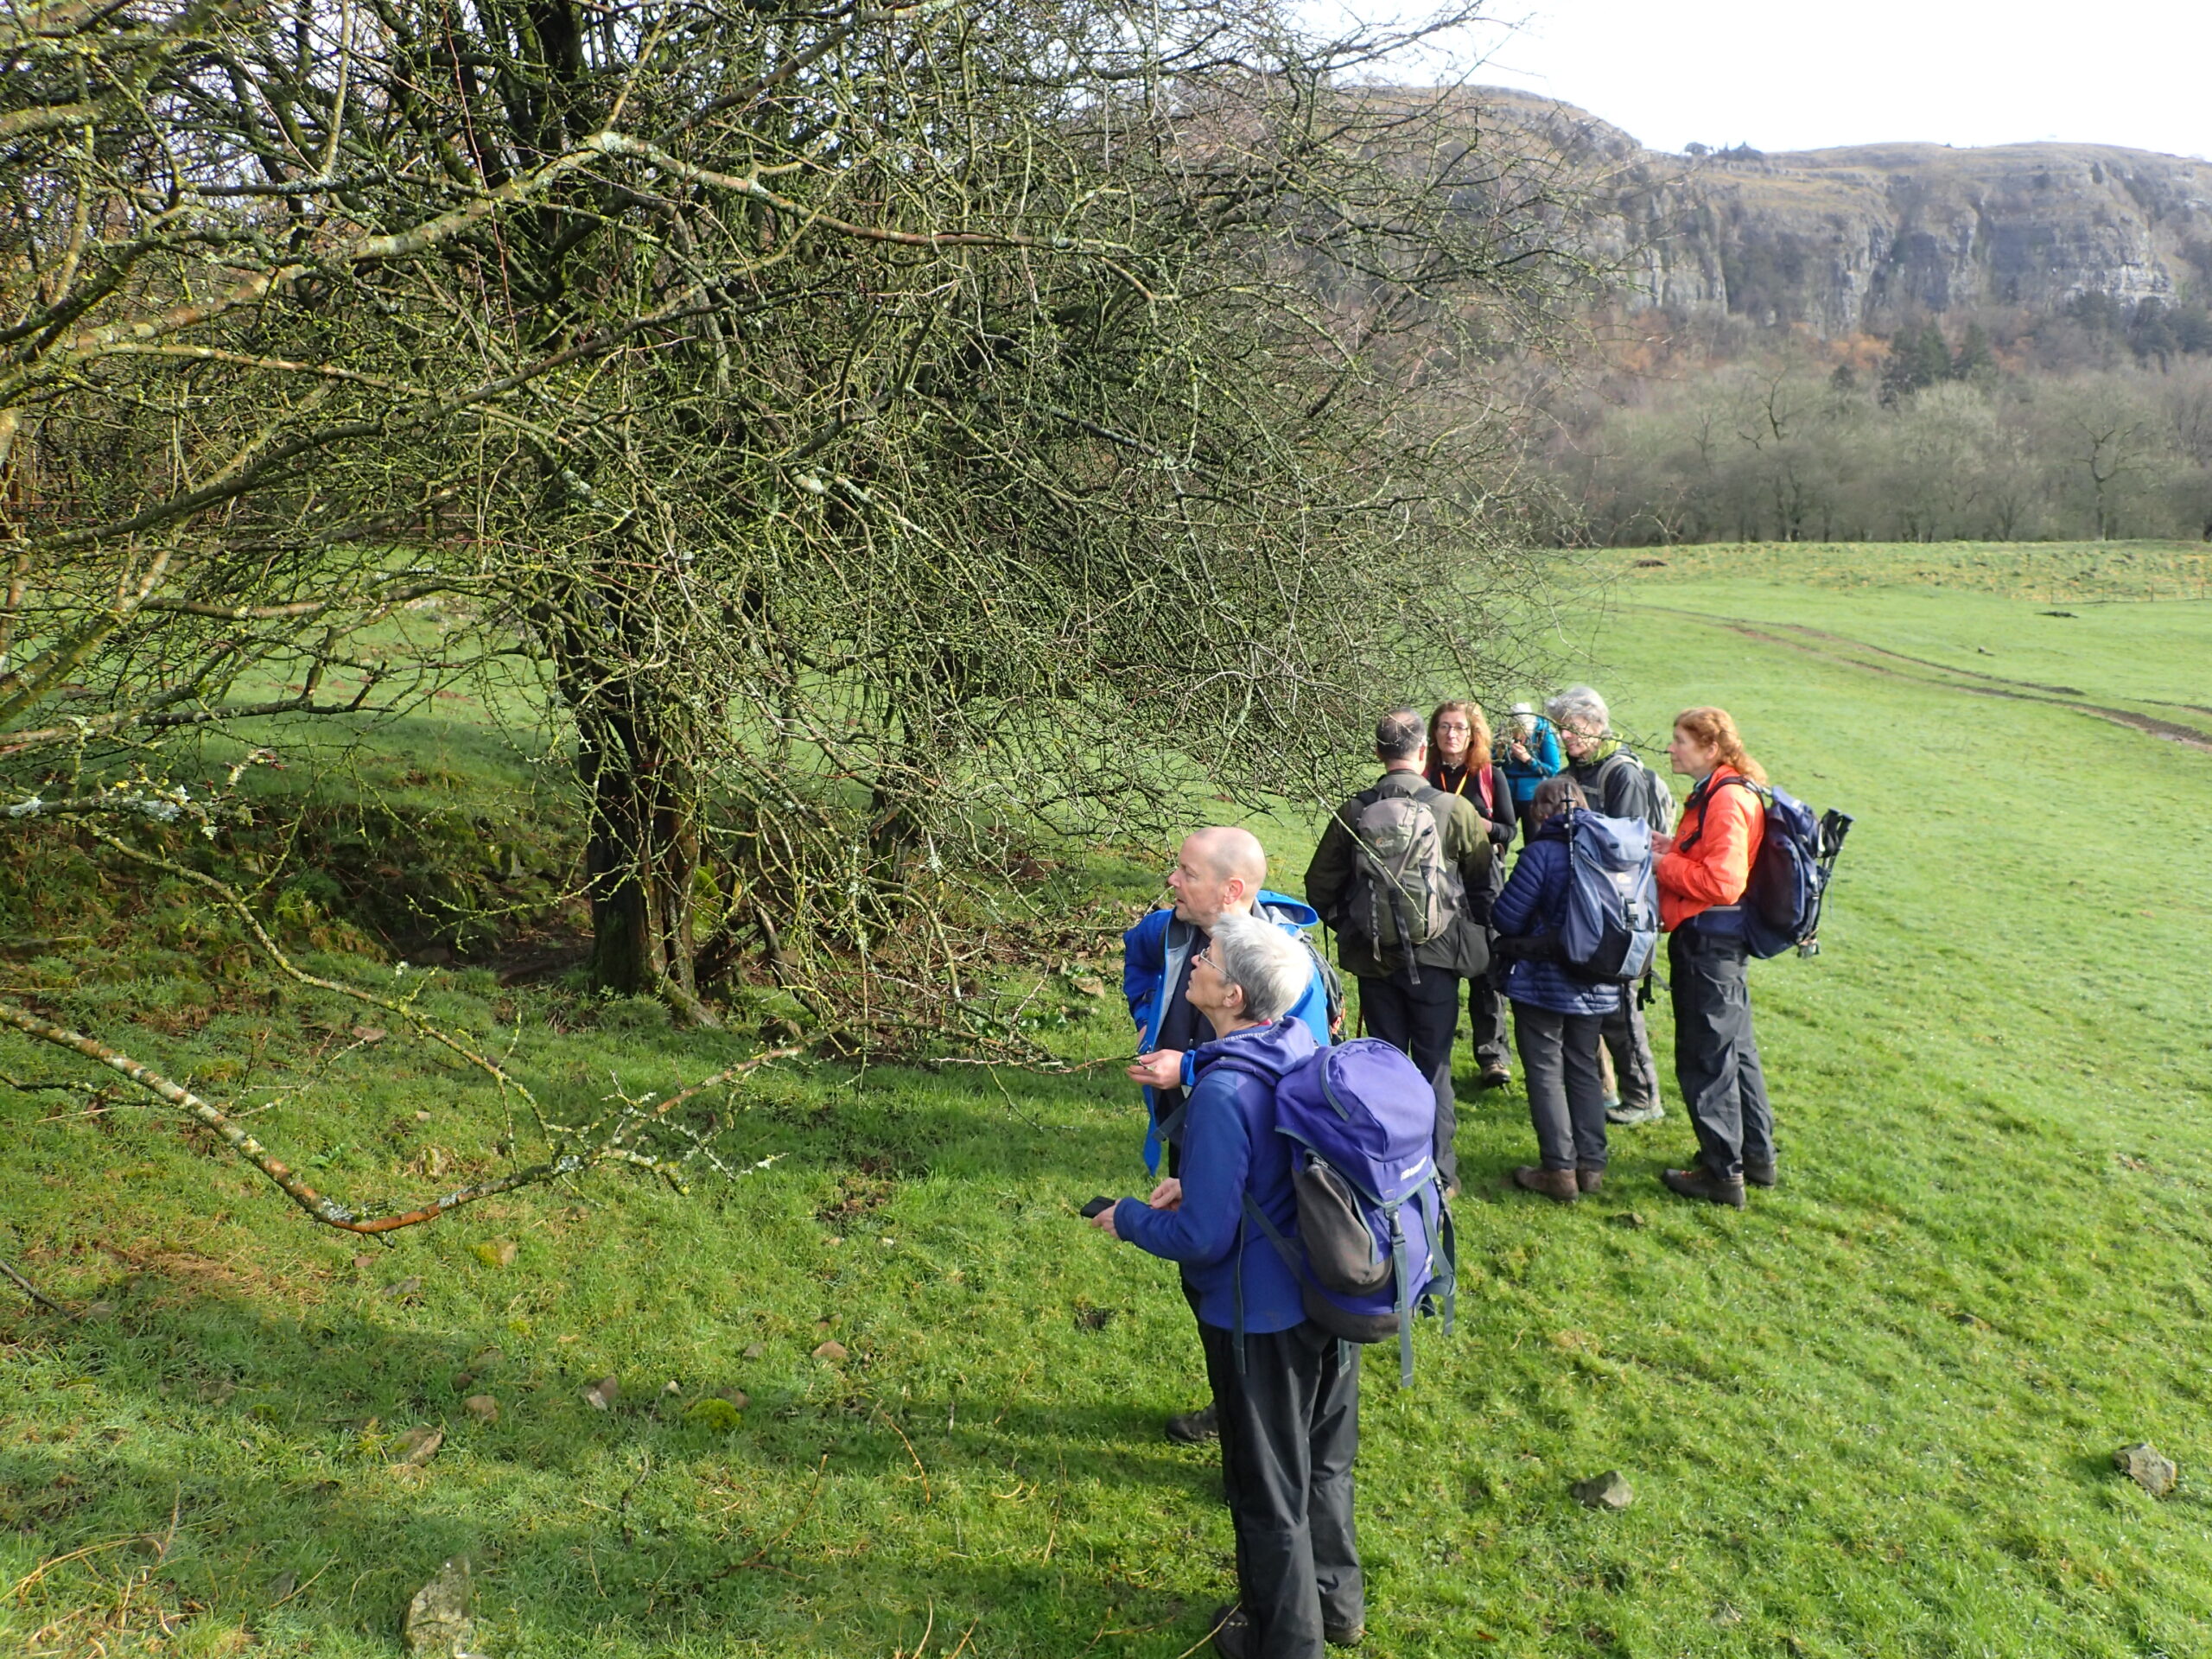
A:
{"x":1840,"y":648}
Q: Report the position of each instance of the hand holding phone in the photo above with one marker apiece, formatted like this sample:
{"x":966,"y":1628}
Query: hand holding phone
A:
{"x":1096,"y":1207}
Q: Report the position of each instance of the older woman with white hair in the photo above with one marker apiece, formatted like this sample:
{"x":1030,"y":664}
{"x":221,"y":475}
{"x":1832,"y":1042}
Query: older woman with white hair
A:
{"x":1611,"y":780}
{"x":1289,"y":1404}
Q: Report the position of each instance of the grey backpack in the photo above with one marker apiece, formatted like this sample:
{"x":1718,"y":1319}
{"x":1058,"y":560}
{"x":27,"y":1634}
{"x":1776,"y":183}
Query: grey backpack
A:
{"x":1406,"y":893}
{"x":1651,"y":799}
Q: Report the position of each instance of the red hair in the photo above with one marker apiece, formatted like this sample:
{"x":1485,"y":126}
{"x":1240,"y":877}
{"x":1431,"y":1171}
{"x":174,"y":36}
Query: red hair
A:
{"x":1478,"y":733}
{"x":1714,"y":729}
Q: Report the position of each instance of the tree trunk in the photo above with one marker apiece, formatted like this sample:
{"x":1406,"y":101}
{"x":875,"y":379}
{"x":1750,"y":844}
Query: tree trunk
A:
{"x":641,"y":854}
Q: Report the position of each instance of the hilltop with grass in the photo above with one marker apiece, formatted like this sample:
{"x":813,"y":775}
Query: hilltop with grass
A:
{"x":869,"y":1388}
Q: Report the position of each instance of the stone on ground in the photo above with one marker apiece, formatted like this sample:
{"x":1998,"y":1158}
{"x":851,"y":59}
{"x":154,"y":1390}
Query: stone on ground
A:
{"x":1605,"y":1491}
{"x":437,"y":1619}
{"x":2142,"y":1463}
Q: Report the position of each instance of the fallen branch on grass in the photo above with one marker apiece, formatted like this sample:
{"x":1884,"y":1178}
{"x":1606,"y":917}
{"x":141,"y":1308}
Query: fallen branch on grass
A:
{"x":760,"y":1555}
{"x":928,"y":1497}
{"x":328,"y":1210}
{"x":34,"y":1293}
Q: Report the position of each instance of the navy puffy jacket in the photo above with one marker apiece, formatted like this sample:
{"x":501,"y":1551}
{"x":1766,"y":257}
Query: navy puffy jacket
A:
{"x":1535,"y":902}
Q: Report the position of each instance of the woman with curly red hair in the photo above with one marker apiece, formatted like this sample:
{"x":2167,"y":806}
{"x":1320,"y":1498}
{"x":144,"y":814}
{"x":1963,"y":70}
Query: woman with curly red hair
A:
{"x":1460,"y":763}
{"x":1702,"y":871}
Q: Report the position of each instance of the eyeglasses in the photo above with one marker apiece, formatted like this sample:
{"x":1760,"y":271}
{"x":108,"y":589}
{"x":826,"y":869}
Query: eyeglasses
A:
{"x":1206,"y":956}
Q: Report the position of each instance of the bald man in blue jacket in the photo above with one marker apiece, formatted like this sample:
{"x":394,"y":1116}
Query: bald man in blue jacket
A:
{"x":1218,"y":871}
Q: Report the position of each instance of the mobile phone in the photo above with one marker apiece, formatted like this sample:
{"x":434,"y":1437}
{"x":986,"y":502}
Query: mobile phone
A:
{"x":1095,"y":1208}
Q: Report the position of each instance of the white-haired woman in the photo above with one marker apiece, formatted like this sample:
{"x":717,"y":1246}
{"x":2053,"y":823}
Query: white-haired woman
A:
{"x":1611,"y":780}
{"x":1289,"y":1414}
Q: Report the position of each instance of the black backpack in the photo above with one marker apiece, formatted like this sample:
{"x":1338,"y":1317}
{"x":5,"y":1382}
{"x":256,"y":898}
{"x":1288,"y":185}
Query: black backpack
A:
{"x":1332,"y":982}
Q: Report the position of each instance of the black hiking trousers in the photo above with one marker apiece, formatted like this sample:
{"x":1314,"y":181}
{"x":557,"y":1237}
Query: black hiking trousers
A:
{"x":1629,"y":1040}
{"x":1289,"y":1434}
{"x":1421,"y":1022}
{"x":1486,"y":1017}
{"x":1716,"y":1055}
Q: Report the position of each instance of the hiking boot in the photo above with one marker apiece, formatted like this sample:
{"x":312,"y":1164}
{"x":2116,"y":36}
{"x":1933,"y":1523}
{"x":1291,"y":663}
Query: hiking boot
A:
{"x":1759,"y":1174}
{"x":1558,"y":1184}
{"x":1493,"y":1076}
{"x":1195,"y":1427}
{"x":1232,"y":1631}
{"x":1589,"y":1180}
{"x":1628,"y":1116}
{"x":1700,"y":1183}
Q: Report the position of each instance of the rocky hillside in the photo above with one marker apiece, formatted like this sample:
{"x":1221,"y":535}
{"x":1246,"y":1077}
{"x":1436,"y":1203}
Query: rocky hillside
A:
{"x":1864,"y":238}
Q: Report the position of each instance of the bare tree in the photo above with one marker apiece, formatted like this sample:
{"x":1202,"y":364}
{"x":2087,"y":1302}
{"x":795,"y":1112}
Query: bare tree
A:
{"x":893,"y":429}
{"x":889,"y":424}
{"x":2110,"y":439}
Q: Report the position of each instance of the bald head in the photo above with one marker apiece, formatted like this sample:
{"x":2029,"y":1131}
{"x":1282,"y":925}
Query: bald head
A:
{"x":1220,"y":870}
{"x":1233,"y":854}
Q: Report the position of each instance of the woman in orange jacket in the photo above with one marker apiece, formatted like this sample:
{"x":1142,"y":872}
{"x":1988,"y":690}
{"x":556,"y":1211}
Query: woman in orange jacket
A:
{"x":1702,"y":870}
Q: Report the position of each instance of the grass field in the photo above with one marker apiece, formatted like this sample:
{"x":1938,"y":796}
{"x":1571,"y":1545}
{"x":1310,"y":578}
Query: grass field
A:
{"x":1873,"y":1415}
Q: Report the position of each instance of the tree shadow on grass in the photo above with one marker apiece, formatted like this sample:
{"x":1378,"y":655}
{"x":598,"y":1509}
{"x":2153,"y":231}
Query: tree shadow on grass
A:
{"x":275,"y":1443}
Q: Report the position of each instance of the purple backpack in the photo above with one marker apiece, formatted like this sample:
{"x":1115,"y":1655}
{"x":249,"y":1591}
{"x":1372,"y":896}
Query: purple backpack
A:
{"x":1374,"y":1238}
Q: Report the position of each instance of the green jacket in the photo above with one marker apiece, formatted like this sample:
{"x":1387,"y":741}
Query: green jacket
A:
{"x":1462,"y":948}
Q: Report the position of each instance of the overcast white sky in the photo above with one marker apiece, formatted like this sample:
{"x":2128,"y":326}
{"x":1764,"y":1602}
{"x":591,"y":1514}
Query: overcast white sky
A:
{"x":1786,"y":74}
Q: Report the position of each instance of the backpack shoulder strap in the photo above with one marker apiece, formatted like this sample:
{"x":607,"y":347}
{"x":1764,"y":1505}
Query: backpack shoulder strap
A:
{"x":1347,"y":814}
{"x":1440,"y":804}
{"x":1700,"y":797}
{"x":1332,"y":982}
{"x":1292,"y":1256}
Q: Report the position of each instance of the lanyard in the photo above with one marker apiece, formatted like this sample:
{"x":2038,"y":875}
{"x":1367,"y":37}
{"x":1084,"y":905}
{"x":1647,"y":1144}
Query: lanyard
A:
{"x":1460,"y":788}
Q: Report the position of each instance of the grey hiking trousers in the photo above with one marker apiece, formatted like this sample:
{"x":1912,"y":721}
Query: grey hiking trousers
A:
{"x":1716,"y":1054}
{"x":1566,"y":1099}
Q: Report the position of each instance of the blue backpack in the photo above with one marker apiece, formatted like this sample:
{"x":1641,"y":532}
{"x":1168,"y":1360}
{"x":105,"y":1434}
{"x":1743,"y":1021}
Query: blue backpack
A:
{"x":1374,"y":1239}
{"x":1610,"y":929}
{"x":1781,"y":899}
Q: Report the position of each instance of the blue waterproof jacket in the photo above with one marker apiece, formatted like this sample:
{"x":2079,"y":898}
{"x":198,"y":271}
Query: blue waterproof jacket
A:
{"x":1231,"y":1148}
{"x":1535,"y":902}
{"x":1544,"y":760}
{"x":1152,"y":963}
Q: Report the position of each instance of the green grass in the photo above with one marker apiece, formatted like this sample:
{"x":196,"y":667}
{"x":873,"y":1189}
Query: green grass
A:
{"x":1873,"y":1415}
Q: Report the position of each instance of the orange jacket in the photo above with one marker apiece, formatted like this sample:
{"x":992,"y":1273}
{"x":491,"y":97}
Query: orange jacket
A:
{"x":1728,"y":824}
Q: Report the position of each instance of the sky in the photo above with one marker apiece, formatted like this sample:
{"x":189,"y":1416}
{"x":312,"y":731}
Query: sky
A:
{"x":1786,"y":74}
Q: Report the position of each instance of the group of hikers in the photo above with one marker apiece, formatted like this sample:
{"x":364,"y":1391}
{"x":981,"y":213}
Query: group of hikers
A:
{"x":1307,"y":1179}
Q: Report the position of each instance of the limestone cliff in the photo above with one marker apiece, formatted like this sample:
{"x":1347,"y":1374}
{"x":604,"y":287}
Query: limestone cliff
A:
{"x":1862,"y":238}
